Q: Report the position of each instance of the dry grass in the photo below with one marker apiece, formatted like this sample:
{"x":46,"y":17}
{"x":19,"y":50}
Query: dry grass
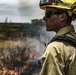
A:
{"x":15,"y":54}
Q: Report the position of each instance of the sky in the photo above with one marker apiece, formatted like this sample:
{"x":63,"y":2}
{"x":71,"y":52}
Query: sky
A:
{"x":20,"y":10}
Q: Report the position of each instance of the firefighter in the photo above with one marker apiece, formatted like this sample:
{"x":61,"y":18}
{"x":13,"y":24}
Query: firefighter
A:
{"x":59,"y":57}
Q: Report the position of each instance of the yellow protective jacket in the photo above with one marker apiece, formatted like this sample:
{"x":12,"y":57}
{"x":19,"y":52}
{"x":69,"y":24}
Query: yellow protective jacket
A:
{"x":59,"y":57}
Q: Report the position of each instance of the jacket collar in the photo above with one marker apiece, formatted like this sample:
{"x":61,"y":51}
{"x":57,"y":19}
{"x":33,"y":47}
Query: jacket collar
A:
{"x":65,"y":30}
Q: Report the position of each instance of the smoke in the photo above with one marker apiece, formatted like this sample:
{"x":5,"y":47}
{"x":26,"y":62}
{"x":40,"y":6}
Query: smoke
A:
{"x":30,"y":10}
{"x":74,"y":24}
{"x":36,"y":46}
{"x":46,"y":36}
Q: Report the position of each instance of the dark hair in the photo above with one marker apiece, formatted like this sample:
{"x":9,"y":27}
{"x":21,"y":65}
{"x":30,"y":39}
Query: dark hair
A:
{"x":73,"y":17}
{"x":70,"y":18}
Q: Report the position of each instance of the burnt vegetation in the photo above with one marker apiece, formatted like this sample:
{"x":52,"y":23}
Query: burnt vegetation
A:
{"x":17,"y":49}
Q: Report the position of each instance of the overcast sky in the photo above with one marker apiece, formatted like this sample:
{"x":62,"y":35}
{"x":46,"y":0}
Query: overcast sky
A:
{"x":20,"y":10}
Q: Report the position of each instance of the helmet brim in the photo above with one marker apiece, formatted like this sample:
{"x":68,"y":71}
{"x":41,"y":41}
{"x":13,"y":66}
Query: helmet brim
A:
{"x":54,"y":6}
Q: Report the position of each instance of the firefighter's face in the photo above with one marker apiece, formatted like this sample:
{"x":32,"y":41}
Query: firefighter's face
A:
{"x":52,"y":19}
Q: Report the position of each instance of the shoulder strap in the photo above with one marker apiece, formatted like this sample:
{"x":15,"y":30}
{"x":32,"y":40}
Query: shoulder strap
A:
{"x":65,"y":38}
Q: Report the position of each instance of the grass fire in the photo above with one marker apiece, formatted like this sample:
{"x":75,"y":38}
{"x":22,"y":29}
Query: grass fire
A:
{"x":19,"y":58}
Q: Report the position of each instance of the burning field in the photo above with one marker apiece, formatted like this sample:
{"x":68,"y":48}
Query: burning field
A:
{"x":21,"y":57}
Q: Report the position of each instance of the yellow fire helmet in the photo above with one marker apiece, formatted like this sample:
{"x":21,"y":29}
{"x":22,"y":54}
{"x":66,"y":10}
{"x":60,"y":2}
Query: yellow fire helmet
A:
{"x":69,"y":5}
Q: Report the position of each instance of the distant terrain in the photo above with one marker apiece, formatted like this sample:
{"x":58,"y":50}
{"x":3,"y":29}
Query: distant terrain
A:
{"x":18,"y":30}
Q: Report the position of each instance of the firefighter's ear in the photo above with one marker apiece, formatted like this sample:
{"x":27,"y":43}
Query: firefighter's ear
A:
{"x":63,"y":17}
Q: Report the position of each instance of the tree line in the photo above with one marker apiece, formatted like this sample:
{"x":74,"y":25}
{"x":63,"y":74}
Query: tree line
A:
{"x":13,"y":30}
